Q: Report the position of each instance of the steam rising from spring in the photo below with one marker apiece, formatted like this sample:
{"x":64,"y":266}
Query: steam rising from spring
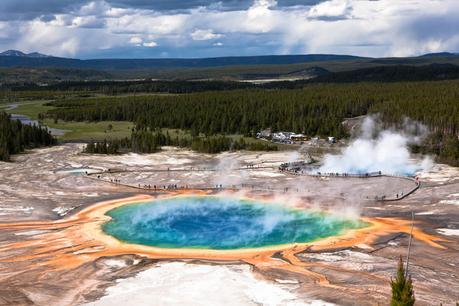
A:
{"x":221,"y":223}
{"x":379,"y":150}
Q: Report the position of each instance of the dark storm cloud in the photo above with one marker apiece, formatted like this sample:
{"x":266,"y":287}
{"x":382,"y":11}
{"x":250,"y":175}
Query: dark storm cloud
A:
{"x":330,"y":18}
{"x":168,"y":5}
{"x":175,"y":28}
{"x":30,"y":9}
{"x":183,"y":5}
{"x":171,"y":5}
{"x":432,"y":27}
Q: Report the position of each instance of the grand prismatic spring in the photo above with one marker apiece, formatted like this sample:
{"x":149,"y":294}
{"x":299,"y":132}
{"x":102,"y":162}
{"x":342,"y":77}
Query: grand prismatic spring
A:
{"x":220,"y":223}
{"x":189,"y":226}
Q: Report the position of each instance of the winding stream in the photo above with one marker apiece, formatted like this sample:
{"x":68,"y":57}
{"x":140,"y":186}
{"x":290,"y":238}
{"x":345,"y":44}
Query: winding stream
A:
{"x":27,"y":120}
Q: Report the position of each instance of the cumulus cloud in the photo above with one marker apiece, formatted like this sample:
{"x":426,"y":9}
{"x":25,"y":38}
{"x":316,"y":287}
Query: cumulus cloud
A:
{"x":94,"y":8}
{"x":242,"y":27}
{"x":334,"y":9}
{"x":88,"y":22}
{"x":150,"y":44}
{"x":136,"y":40}
{"x":139,"y":42}
{"x":204,"y":35}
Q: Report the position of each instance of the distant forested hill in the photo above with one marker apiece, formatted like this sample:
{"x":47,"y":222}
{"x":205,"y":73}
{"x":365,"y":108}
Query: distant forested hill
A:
{"x":398,"y":73}
{"x":170,"y":63}
{"x":355,"y":70}
{"x":37,"y":77}
{"x":395,"y":73}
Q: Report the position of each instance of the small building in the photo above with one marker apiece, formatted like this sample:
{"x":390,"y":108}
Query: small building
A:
{"x":266,"y":133}
{"x":281,"y":136}
{"x":298,"y":137}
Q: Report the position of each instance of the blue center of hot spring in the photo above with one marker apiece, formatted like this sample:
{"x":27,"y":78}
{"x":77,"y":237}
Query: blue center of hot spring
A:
{"x":213,"y":222}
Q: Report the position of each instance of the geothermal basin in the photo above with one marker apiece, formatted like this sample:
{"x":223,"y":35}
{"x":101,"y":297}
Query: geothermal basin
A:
{"x":50,"y":259}
{"x":217,"y":222}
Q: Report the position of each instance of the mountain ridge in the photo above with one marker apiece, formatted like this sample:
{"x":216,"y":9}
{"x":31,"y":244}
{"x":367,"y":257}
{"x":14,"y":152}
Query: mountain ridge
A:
{"x":232,"y":67}
{"x":14,"y":58}
{"x":17,"y":53}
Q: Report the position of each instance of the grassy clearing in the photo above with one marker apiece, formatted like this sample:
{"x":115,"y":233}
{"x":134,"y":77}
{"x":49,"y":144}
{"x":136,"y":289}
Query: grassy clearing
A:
{"x":76,"y":131}
{"x":249,"y":140}
{"x":30,"y":109}
{"x":97,"y":131}
{"x":280,"y":147}
{"x":173,"y":133}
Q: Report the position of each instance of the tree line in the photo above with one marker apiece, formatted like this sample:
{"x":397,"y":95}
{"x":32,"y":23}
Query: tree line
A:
{"x":315,"y":109}
{"x":15,"y":137}
{"x":444,"y":146}
{"x":145,"y":141}
{"x":131,"y":87}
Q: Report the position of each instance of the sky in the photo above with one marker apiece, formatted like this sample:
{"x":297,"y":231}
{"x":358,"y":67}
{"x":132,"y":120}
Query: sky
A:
{"x":208,"y":28}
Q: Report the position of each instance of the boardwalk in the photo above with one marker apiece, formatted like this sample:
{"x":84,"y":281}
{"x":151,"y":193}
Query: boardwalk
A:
{"x":160,"y":187}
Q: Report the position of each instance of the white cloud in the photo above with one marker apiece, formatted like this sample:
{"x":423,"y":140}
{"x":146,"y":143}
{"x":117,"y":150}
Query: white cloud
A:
{"x":115,"y":12}
{"x":4,"y":29}
{"x":150,"y":44}
{"x":261,"y":8}
{"x":261,"y":16}
{"x":94,"y":8}
{"x":204,"y":35}
{"x":145,"y":22}
{"x":138,"y":41}
{"x":331,"y":9}
{"x":135,"y":40}
{"x":88,"y":22}
{"x":50,"y":39}
{"x":68,"y":40}
{"x":362,"y":27}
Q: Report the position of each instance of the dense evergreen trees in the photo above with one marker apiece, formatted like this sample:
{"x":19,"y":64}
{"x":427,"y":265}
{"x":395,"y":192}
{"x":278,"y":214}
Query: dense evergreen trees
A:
{"x":444,"y":146}
{"x":131,"y":87}
{"x":314,"y":109}
{"x":449,"y":152}
{"x":15,"y":137}
{"x":103,"y":147}
{"x":394,"y":73}
{"x":145,"y":141}
{"x":216,"y":144}
{"x":235,"y":112}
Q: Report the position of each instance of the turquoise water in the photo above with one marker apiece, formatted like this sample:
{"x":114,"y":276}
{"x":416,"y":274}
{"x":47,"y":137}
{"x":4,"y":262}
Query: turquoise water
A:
{"x":219,"y":223}
{"x":78,"y":171}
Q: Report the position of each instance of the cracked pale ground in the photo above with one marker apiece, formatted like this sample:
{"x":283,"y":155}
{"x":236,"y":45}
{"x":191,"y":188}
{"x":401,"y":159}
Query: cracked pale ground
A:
{"x":39,"y":187}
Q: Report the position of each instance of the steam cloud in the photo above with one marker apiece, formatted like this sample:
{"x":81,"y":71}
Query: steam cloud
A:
{"x":226,"y":174}
{"x":379,"y":150}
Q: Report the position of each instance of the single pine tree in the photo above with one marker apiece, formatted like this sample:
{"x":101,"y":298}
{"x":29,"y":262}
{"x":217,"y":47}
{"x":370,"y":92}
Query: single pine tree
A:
{"x":402,"y":288}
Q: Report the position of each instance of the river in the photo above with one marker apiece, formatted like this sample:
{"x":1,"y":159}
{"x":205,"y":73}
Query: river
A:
{"x":27,"y":120}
